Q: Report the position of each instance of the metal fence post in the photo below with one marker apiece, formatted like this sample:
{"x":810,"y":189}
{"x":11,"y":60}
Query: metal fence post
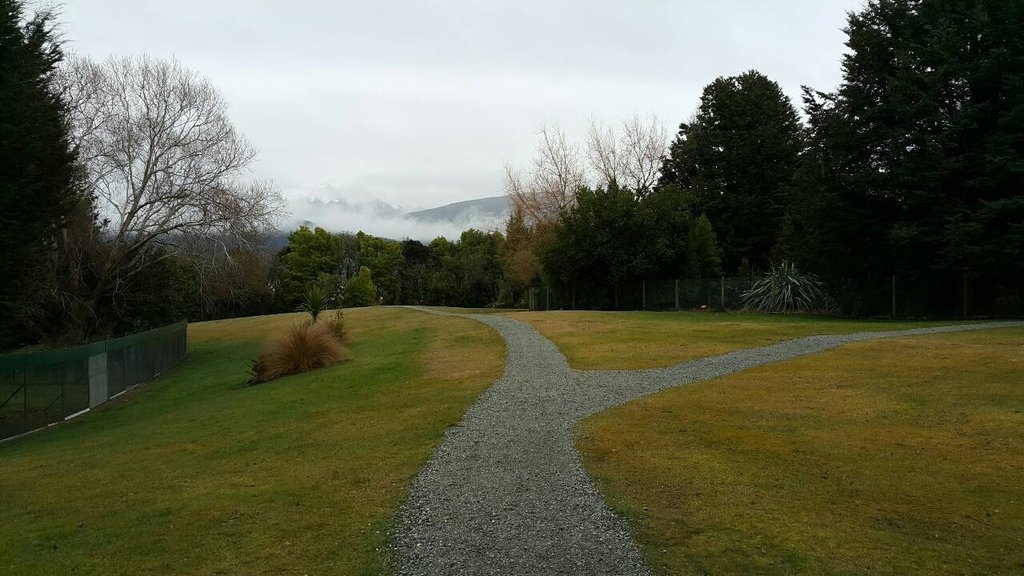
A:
{"x":677,"y":294}
{"x":98,"y":382}
{"x":24,"y":400}
{"x":893,"y":295}
{"x":643,"y":295}
{"x":965,"y":294}
{"x":721,"y":289}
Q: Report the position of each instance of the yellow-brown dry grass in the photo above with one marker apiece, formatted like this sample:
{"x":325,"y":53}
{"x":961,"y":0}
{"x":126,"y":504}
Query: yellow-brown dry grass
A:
{"x":636,"y":340}
{"x":303,"y":348}
{"x":889,"y":457}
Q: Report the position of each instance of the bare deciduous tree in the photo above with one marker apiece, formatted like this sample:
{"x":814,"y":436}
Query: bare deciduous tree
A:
{"x":603,"y":153}
{"x":551,"y":185}
{"x":633,"y":158}
{"x":644,"y":145}
{"x":163,"y":159}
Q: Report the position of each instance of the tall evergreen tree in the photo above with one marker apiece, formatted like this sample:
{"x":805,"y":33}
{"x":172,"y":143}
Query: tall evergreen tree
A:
{"x":602,"y":240}
{"x":384,"y":259}
{"x":415,"y":271}
{"x":738,"y":157}
{"x":924,"y":143}
{"x":38,"y":170}
{"x":478,"y":267}
{"x":442,"y":287}
{"x":312,"y":257}
{"x":614,"y":236}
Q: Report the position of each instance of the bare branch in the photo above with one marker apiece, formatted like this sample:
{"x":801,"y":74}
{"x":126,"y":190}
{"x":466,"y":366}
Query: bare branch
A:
{"x":603,"y":153}
{"x":163,"y":158}
{"x":551,"y":185}
{"x":643,"y":145}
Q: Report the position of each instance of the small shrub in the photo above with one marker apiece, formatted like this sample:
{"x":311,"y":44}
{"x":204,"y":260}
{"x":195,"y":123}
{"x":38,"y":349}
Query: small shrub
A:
{"x":360,"y":290}
{"x":786,"y":289}
{"x":314,"y":301}
{"x":336,"y":324}
{"x":304,"y":347}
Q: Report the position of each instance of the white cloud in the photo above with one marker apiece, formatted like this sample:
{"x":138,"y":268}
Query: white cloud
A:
{"x":370,"y":214}
{"x":423,"y":102}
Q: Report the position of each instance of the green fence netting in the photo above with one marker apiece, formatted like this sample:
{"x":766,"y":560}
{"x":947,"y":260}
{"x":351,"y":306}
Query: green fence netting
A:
{"x":45,"y":387}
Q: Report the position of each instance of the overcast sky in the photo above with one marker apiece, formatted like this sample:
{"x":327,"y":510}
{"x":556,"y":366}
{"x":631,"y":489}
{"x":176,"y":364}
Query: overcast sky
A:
{"x":420,"y":103}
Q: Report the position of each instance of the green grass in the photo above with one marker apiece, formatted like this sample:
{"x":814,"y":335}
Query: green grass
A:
{"x":889,"y":457}
{"x":635,"y":340}
{"x":196,"y":473}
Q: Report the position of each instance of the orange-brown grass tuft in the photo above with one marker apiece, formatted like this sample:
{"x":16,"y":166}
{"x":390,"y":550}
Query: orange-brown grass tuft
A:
{"x":303,"y":348}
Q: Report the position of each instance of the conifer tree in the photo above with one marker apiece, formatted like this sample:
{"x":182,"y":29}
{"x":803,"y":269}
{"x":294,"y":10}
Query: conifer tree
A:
{"x":738,"y":157}
{"x":923,"y":146}
{"x":38,"y":170}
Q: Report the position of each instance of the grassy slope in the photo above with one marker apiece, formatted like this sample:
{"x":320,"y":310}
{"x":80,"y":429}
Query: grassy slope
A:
{"x":633,"y":340}
{"x":198,"y":474}
{"x":891,"y":457}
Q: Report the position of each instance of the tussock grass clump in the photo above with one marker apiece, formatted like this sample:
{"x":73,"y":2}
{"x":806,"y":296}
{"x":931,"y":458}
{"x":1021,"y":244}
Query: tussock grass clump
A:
{"x":303,"y":348}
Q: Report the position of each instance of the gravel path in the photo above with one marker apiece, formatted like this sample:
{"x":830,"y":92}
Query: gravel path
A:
{"x":506,"y":493}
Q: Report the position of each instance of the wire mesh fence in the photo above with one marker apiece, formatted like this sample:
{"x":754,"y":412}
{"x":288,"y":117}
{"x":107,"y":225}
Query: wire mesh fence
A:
{"x":903,"y":296}
{"x":46,"y":387}
{"x":658,"y":294}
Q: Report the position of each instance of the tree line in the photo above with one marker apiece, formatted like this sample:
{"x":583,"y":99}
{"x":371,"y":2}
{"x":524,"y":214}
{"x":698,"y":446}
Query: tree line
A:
{"x":913,"y":169}
{"x":124,"y":200}
{"x":364,"y":270}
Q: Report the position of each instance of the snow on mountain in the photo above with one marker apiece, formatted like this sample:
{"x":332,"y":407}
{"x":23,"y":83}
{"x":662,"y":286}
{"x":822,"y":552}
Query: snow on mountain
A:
{"x":370,"y":214}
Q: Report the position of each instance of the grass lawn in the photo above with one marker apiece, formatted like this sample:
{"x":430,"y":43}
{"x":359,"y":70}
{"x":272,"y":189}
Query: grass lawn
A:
{"x":891,"y":457}
{"x":634,"y":340}
{"x":196,"y":473}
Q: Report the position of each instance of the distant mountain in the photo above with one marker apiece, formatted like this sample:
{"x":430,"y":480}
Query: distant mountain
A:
{"x":372,"y":206}
{"x":374,"y":216}
{"x":483,"y":210}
